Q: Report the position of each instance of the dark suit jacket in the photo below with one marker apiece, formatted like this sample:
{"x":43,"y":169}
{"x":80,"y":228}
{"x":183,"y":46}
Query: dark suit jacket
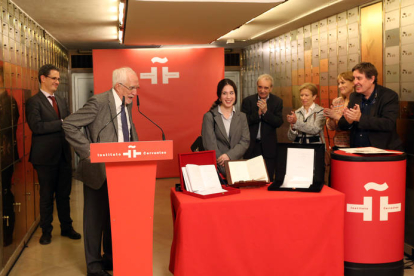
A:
{"x":271,"y":120}
{"x":93,"y":116}
{"x":381,"y":122}
{"x":48,"y":137}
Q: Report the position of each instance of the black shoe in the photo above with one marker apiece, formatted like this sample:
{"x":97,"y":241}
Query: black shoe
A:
{"x":71,"y":234}
{"x":46,"y":238}
{"x":100,"y":273}
{"x":107,"y":265}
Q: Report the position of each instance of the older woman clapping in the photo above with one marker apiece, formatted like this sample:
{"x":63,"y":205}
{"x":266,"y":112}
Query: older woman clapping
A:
{"x":306,"y":123}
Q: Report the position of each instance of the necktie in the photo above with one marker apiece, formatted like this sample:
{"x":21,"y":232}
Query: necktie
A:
{"x":55,"y":107}
{"x":124,"y":122}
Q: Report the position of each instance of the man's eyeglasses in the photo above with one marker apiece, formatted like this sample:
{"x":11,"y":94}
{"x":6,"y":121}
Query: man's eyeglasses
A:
{"x":129,"y":88}
{"x":54,"y":78}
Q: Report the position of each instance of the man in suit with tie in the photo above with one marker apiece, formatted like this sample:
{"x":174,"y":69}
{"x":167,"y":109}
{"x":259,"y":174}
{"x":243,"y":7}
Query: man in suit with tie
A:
{"x":264,"y":115}
{"x":50,"y":153}
{"x":98,"y":117}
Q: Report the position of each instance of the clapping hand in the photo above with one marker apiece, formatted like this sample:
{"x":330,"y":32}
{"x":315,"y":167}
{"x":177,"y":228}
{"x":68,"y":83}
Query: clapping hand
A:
{"x":292,"y":119}
{"x":352,"y":114}
{"x":262,"y":104}
{"x":331,"y":113}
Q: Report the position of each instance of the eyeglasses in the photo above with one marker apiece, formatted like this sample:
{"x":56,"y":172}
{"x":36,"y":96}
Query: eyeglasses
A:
{"x":129,"y":88}
{"x":54,"y":78}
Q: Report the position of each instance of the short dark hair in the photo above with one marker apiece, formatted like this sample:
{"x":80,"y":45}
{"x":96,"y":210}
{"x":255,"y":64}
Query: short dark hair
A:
{"x":45,"y":71}
{"x":368,"y":69}
{"x":220,"y":87}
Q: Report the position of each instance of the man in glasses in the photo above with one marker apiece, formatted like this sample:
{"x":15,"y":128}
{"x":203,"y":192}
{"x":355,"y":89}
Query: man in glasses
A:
{"x":50,"y":153}
{"x":99,"y":119}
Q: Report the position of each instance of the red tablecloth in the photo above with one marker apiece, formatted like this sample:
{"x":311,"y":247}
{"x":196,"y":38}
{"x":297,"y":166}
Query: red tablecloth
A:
{"x":258,"y":232}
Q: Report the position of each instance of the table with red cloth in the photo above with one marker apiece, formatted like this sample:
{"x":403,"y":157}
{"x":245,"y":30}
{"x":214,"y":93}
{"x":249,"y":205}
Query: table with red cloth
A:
{"x":258,"y":232}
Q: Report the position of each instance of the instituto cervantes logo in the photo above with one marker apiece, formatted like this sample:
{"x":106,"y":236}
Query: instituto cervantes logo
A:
{"x":133,"y":153}
{"x":166,"y":75}
{"x":366,"y":207}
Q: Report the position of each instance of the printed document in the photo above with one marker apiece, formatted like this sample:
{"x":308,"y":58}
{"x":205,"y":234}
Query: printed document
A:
{"x":369,"y":150}
{"x":299,"y":168}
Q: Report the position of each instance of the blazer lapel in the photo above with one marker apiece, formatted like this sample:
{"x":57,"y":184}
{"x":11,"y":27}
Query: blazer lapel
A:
{"x":219,"y":123}
{"x":374,"y":106}
{"x":234,"y":124}
{"x":46,"y":103}
{"x":61,"y":106}
{"x":112,"y":109}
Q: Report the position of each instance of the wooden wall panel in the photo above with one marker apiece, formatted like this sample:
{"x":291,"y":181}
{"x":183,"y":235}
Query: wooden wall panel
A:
{"x":371,"y":36}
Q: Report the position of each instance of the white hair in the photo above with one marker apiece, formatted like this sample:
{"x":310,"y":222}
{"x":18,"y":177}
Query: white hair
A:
{"x":120,"y":75}
{"x":266,"y":77}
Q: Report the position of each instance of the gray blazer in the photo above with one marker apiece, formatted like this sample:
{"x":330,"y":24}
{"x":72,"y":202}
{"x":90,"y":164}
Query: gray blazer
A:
{"x":93,"y":116}
{"x":215,"y":137}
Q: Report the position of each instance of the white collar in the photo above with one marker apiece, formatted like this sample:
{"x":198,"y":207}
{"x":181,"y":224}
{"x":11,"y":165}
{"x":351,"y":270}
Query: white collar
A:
{"x":219,"y":109}
{"x":118,"y":101}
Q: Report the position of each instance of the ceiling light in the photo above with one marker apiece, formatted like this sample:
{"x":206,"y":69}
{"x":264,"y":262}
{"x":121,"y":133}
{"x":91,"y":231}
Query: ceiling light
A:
{"x":299,"y":17}
{"x":121,"y":19}
{"x":121,"y":13}
{"x":228,"y":1}
{"x":120,"y":36}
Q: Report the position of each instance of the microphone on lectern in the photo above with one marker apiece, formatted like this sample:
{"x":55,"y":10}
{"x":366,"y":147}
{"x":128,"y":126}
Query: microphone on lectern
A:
{"x":163,"y":136}
{"x":99,"y":133}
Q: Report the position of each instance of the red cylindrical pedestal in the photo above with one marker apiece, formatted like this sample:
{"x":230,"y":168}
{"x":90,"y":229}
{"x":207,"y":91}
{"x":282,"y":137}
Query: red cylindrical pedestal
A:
{"x":374,"y":188}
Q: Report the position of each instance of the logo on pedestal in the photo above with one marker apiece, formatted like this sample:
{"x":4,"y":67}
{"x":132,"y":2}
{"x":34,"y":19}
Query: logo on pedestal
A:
{"x":366,"y":207}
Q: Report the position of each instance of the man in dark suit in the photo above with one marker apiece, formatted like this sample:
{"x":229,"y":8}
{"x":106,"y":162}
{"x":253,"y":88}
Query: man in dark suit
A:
{"x":264,"y":115}
{"x":50,"y":153}
{"x":372,"y":111}
{"x":96,"y":119}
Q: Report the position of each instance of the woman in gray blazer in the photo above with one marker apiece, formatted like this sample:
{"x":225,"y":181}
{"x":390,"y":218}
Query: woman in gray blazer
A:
{"x":225,"y":130}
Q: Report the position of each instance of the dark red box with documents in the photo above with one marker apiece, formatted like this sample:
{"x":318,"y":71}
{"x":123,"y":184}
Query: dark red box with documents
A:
{"x":201,"y":158}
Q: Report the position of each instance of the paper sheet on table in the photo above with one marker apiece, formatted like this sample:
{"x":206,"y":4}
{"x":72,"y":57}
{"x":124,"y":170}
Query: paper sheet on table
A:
{"x":296,"y":182}
{"x":299,"y":168}
{"x":368,"y":150}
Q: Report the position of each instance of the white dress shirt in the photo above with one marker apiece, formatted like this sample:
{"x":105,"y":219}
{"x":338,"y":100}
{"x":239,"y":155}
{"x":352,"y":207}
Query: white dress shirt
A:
{"x":118,"y":104}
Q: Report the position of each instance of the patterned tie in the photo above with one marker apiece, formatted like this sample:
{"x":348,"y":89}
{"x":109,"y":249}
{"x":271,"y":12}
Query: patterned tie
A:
{"x":124,"y":122}
{"x":55,"y":107}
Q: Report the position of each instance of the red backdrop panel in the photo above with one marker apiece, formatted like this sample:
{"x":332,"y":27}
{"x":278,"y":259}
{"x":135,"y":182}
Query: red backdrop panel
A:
{"x":175,"y":91}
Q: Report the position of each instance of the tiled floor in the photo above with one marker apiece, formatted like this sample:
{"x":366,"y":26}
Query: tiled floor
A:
{"x":65,"y":257}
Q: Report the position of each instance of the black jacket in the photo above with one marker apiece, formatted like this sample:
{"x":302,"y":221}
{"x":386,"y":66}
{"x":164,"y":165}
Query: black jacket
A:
{"x":271,"y":120}
{"x":48,"y":137}
{"x":381,"y":122}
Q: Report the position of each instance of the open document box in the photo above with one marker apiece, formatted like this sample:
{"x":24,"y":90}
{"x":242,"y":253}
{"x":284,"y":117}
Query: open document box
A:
{"x":202,"y":158}
{"x":247,"y":173}
{"x":281,"y":170}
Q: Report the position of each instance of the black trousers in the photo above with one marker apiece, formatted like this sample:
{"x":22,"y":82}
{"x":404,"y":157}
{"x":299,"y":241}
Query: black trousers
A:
{"x":270,"y":162}
{"x":55,"y":182}
{"x":96,"y":227}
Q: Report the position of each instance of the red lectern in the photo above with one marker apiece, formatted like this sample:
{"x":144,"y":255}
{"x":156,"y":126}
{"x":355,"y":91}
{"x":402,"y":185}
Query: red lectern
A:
{"x":131,"y":171}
